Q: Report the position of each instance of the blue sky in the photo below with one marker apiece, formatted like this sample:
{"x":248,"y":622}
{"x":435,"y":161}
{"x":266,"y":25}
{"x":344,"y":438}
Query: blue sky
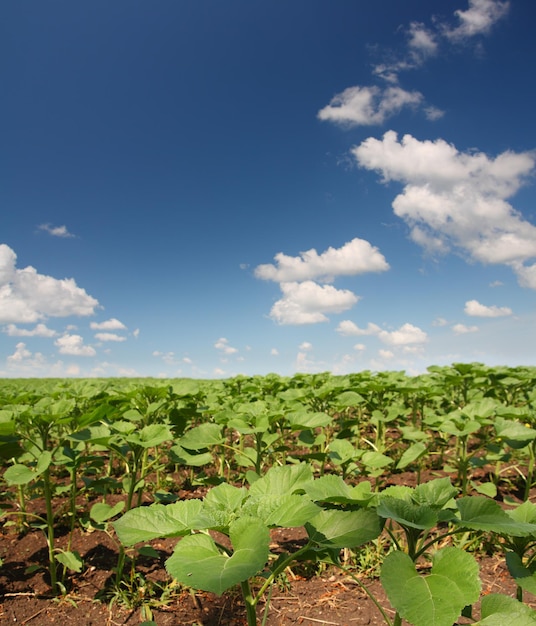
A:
{"x":205,"y":188}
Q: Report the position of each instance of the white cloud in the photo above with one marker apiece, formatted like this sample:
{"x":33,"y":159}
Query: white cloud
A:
{"x":439,"y":321}
{"x":478,"y":19}
{"x":355,"y":257}
{"x":349,"y":328}
{"x":56,"y":231}
{"x":306,"y":346}
{"x":407,"y":333}
{"x":386,"y":354}
{"x":109,"y":337}
{"x":22,"y":358}
{"x":73,"y":345}
{"x":40,"y":330}
{"x":454,"y":200}
{"x":167,"y":357}
{"x":308,"y":303}
{"x":462,"y":329}
{"x":274,"y":352}
{"x":360,"y":347}
{"x":27,"y":297}
{"x":111,"y":324}
{"x":365,"y":106}
{"x":223,"y":345}
{"x":475,"y":309}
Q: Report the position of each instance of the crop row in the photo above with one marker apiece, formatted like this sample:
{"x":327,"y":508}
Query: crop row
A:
{"x":313,"y":451}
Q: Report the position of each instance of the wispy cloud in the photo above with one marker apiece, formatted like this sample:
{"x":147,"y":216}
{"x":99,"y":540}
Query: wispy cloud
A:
{"x":56,"y":231}
{"x":366,"y":105}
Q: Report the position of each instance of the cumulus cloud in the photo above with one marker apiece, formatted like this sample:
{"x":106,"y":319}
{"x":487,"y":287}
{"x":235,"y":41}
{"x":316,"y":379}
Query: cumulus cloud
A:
{"x":223,"y":346}
{"x":406,"y":334}
{"x":357,"y":256}
{"x":348,"y":328}
{"x":308,"y":303}
{"x":458,"y":201}
{"x":40,"y":330}
{"x":109,"y":337}
{"x":73,"y":345}
{"x":475,"y":309}
{"x":56,"y":231}
{"x":366,"y":106}
{"x":478,"y":19}
{"x":462,"y":329}
{"x":23,"y":357}
{"x":111,"y":324}
{"x":27,"y":297}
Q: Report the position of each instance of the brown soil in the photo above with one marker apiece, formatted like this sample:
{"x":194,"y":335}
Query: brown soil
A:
{"x":308,"y":598}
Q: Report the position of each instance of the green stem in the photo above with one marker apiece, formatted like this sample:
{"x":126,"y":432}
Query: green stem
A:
{"x":47,"y":490}
{"x":250,"y":603}
{"x":530,"y":472}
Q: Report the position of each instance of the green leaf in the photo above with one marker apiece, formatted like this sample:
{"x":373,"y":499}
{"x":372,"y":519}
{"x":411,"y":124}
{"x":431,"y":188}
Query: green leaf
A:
{"x":158,"y":520}
{"x":71,"y":560}
{"x":344,"y":529}
{"x":287,"y":511}
{"x":435,"y":493}
{"x":197,"y":562}
{"x":100,"y":512}
{"x":408,"y":514}
{"x":414,"y":452}
{"x":498,"y":610}
{"x":202,"y":436}
{"x":20,"y":474}
{"x":437,"y":599}
{"x":480,"y":513}
{"x":301,"y":420}
{"x":524,"y":577}
{"x":283,"y":479}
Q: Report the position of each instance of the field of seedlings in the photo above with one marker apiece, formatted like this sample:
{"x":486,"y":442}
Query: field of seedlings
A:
{"x":370,"y":498}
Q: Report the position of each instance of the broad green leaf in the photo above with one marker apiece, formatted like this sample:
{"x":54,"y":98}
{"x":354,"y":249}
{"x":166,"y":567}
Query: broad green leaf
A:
{"x":408,"y":514}
{"x":480,"y":513}
{"x":525,"y":577}
{"x":158,"y":520}
{"x":300,"y":420}
{"x":332,"y":488}
{"x":375,"y":460}
{"x":414,"y":452}
{"x":498,"y":610}
{"x":221,"y":506}
{"x":151,"y":435}
{"x":341,"y":451}
{"x":283,"y":479}
{"x":435,"y":493}
{"x":287,"y":511}
{"x":525,"y":512}
{"x":19,"y":474}
{"x":344,"y":529}
{"x":71,"y":560}
{"x":181,"y":455}
{"x":486,"y":489}
{"x":202,"y":436}
{"x":515,"y":434}
{"x":437,"y":599}
{"x":197,"y":562}
{"x":100,"y":512}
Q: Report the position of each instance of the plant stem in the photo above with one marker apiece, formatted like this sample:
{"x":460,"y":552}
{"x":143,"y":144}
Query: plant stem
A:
{"x":250,"y":603}
{"x":47,"y":490}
